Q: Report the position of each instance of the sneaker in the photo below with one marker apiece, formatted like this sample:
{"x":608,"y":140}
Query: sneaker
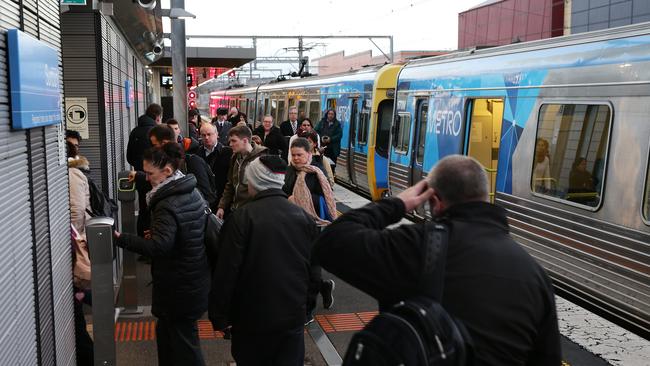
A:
{"x":309,"y":318}
{"x":326,"y":291}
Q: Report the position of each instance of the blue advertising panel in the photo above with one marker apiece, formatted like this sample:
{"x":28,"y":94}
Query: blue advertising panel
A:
{"x":34,"y":81}
{"x":128,"y":93}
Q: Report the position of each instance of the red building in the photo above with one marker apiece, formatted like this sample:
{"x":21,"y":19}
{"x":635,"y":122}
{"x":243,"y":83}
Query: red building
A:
{"x":499,"y":22}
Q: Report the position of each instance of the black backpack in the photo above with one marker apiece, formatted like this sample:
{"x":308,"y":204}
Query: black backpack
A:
{"x":416,"y":331}
{"x":100,"y":203}
{"x":192,"y":164}
{"x":213,"y":226}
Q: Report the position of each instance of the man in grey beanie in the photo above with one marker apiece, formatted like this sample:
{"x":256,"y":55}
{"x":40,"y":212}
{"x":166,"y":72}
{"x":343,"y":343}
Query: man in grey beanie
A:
{"x":259,"y":285}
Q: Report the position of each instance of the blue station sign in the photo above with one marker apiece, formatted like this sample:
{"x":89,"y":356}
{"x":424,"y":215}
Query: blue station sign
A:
{"x":33,"y":81}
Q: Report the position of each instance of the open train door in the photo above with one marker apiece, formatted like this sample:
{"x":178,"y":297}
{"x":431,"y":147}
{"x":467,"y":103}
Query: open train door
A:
{"x":485,"y":117}
{"x":352,"y":140}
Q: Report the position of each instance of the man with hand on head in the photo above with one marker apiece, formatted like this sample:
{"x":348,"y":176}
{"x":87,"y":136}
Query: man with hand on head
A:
{"x":491,"y":284}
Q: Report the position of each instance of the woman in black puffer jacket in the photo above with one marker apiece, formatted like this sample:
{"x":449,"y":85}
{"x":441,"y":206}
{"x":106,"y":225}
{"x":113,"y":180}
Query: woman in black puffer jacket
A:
{"x":179,"y":267}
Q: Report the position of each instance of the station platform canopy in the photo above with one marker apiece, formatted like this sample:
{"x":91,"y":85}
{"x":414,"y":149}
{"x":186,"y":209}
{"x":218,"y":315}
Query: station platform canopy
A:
{"x":226,"y":57}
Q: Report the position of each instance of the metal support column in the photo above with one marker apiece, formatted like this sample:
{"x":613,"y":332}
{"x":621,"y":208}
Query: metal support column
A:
{"x":179,"y":68}
{"x":99,"y":232}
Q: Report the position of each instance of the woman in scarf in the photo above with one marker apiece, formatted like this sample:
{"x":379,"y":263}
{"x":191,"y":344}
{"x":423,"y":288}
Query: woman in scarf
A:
{"x":179,"y":266}
{"x":308,"y":187}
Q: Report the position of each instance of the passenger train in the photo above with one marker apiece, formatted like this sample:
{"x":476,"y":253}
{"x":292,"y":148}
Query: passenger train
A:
{"x":562,"y":127}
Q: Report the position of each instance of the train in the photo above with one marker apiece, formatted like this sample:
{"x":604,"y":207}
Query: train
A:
{"x":561,"y":126}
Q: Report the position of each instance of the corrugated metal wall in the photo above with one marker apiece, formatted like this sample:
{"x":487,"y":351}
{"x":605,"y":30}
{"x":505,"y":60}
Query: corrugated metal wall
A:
{"x":36,"y":321}
{"x":97,"y":62}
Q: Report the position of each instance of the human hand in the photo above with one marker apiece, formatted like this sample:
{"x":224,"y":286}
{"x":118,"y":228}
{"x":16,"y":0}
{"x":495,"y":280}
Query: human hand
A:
{"x":416,"y":195}
{"x":257,"y":140}
{"x":116,"y":234}
{"x":132,"y":175}
{"x":147,"y":234}
{"x":220,"y":213}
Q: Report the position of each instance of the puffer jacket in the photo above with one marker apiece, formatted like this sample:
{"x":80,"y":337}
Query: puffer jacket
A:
{"x":236,"y":192}
{"x":179,"y":266}
{"x":79,"y":193}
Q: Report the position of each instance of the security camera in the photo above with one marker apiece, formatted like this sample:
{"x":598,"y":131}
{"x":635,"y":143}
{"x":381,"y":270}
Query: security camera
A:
{"x":157,"y":48}
{"x":147,"y":4}
{"x":149,"y":37}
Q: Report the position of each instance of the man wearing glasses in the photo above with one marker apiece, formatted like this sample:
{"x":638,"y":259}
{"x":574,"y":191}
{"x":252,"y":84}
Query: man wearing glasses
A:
{"x":290,"y":127}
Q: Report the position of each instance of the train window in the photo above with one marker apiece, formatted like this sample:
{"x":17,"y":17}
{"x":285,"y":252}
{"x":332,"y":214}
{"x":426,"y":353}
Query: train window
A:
{"x":331,"y":103}
{"x":362,"y":136}
{"x":266,"y":107}
{"x":422,"y":133}
{"x":384,"y":119}
{"x":281,"y":116}
{"x":571,"y":152}
{"x":302,"y":110}
{"x":403,"y":133}
{"x":314,"y":111}
{"x":250,"y":111}
{"x":292,"y":102}
{"x":274,"y":109}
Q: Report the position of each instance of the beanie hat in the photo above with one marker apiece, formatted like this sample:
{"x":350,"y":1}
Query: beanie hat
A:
{"x":266,"y":172}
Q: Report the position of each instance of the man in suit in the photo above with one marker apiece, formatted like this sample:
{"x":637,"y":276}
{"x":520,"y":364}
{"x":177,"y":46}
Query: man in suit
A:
{"x":290,"y":127}
{"x":222,"y":124}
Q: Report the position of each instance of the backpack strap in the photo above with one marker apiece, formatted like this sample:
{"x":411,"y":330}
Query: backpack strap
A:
{"x":434,"y":259}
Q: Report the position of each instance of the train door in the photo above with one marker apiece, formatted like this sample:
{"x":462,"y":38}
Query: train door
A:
{"x":482,"y":141}
{"x":419,"y":138}
{"x":352,"y":140}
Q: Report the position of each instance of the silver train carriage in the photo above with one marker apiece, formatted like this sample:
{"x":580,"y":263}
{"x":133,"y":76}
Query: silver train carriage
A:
{"x":562,"y":126}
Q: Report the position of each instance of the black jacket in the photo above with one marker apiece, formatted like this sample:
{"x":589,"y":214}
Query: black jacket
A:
{"x":501,"y":294}
{"x":205,"y":180}
{"x":179,"y":266}
{"x":287,"y":130}
{"x":139,"y":141}
{"x":274,"y":141}
{"x":335,"y":133}
{"x":219,"y":162}
{"x":261,"y":277}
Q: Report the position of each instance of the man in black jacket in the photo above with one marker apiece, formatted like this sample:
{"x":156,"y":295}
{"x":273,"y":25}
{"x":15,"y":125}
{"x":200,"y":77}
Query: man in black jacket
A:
{"x":139,"y":137}
{"x":217,"y":156}
{"x":138,"y":143}
{"x":491,"y":284}
{"x":291,"y":126}
{"x":192,"y":164}
{"x":260,"y":281}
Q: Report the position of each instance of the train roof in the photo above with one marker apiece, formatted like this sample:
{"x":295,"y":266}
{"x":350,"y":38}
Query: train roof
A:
{"x":548,"y":43}
{"x":367,"y":73}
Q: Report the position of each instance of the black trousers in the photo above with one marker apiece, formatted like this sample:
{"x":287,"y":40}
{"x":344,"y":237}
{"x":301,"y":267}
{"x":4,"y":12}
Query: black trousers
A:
{"x":178,"y":342}
{"x":315,"y":285}
{"x":279,"y":348}
{"x":85,"y":354}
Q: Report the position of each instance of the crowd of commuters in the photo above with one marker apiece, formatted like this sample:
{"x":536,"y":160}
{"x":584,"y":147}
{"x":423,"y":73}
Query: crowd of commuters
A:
{"x":273,"y":186}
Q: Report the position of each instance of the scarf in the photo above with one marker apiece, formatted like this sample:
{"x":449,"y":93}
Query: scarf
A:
{"x":301,"y":196}
{"x":177,"y":175}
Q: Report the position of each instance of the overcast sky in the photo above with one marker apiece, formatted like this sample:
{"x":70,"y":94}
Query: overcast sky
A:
{"x":414,"y":24}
